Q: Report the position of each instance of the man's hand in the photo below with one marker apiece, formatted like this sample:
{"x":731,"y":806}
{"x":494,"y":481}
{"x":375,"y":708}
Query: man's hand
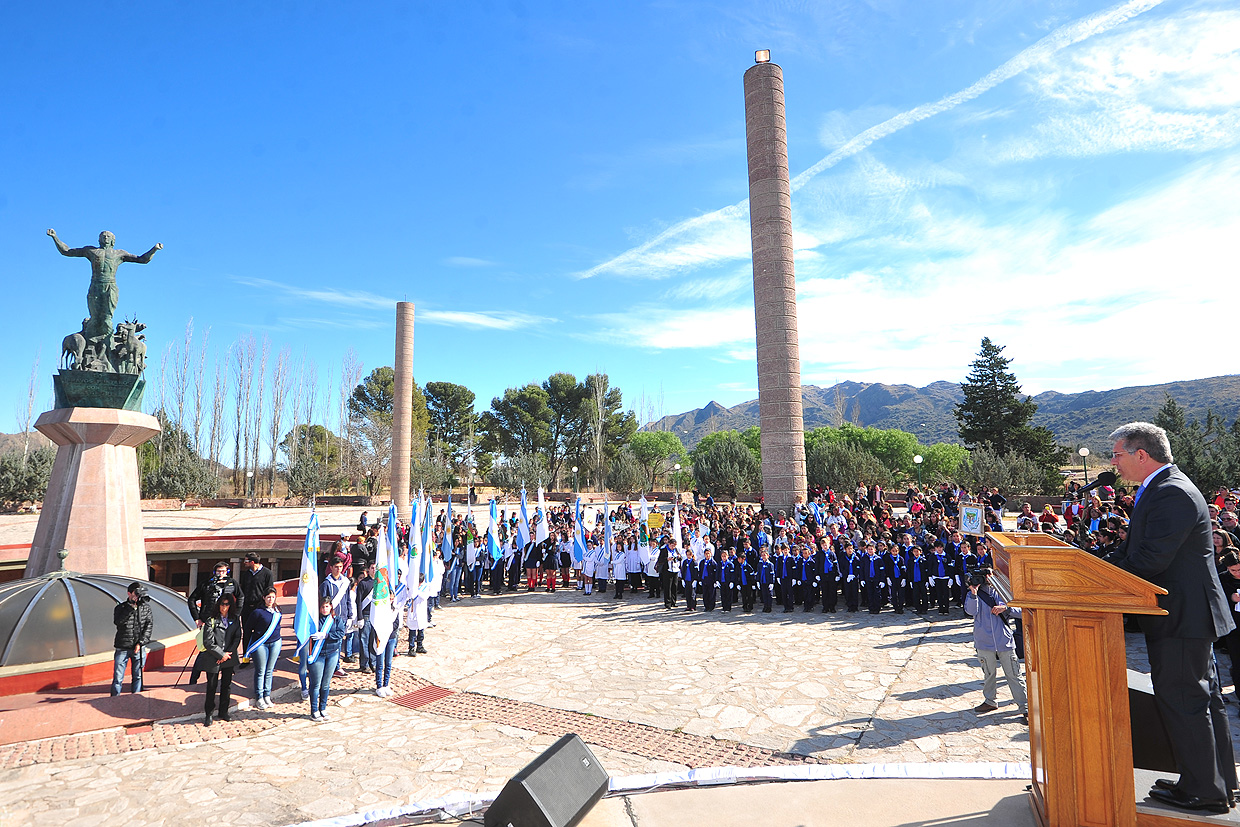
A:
{"x":52,"y":233}
{"x":998,"y":610}
{"x":973,"y":590}
{"x":158,"y":245}
{"x":227,"y":656}
{"x":199,"y":622}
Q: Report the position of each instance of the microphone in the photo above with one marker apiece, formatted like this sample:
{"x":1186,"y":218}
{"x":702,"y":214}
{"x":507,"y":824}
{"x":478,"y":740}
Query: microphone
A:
{"x":1104,"y":478}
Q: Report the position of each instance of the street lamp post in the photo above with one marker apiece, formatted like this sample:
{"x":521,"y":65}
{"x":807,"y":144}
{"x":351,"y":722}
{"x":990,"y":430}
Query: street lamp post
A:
{"x":574,"y":479}
{"x":676,"y":480}
{"x":1084,"y":452}
{"x":249,"y":484}
{"x":918,"y":460}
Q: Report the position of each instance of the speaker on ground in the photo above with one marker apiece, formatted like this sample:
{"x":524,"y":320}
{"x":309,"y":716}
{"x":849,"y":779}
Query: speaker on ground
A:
{"x":556,"y":789}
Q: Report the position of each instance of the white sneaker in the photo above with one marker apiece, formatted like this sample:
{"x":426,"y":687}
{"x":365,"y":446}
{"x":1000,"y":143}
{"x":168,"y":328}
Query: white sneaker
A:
{"x":387,"y":691}
{"x":379,"y":691}
{"x":324,"y":716}
{"x":267,"y":703}
{"x":314,"y":716}
{"x":305,"y":694}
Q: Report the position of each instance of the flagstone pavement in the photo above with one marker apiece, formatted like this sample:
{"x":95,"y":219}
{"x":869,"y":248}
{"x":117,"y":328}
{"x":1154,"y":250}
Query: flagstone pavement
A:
{"x":648,"y":689}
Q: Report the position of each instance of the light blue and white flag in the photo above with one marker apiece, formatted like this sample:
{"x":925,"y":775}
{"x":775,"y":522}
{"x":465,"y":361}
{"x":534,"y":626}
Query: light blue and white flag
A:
{"x":425,"y":561}
{"x":494,"y":552}
{"x":540,"y":533}
{"x":409,"y":568}
{"x":523,"y":526}
{"x":399,"y":566}
{"x":305,"y":617}
{"x":579,"y":534}
{"x":607,"y":526}
{"x":447,"y":547}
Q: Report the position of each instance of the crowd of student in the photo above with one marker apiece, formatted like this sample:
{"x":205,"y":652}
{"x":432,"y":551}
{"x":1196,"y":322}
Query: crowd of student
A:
{"x":847,"y":551}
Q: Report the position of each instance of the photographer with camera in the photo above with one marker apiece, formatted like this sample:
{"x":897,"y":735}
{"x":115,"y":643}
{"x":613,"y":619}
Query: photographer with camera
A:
{"x":134,"y":624}
{"x":993,"y":640}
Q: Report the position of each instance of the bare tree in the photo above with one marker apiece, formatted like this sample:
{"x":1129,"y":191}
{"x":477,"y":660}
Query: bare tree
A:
{"x":256,"y":417}
{"x":279,"y":392}
{"x":242,"y":363}
{"x":27,"y":417}
{"x":199,"y":388}
{"x":219,"y":397}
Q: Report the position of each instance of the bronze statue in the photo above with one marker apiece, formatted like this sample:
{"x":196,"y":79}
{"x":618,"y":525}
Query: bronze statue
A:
{"x":104,"y":261}
{"x":98,"y":348}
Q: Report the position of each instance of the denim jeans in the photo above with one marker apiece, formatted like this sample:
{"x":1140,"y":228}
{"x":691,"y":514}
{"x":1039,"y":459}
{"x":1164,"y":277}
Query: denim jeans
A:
{"x":383,"y":663}
{"x":365,"y":652}
{"x":126,"y":656}
{"x":265,"y":657}
{"x":454,"y":580}
{"x":320,"y":673}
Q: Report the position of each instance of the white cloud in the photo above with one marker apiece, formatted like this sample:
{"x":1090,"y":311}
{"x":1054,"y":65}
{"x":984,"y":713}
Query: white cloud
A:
{"x":1073,"y":303}
{"x":723,"y":234}
{"x":481,"y":319}
{"x":1172,"y":84}
{"x":328,"y":295}
{"x":361,"y":300}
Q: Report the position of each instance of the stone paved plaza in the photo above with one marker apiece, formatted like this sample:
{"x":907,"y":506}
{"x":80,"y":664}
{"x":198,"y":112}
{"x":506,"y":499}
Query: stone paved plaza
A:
{"x":691,"y":690}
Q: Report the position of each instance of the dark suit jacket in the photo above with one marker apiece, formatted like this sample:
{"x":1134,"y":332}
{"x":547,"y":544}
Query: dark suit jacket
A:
{"x":1169,"y":545}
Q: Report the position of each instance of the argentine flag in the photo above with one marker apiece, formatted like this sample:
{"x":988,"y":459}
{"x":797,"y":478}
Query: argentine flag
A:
{"x":523,"y":526}
{"x":540,"y":533}
{"x":447,"y":548}
{"x":425,"y":563}
{"x":676,"y":526}
{"x":607,"y":527}
{"x":493,"y":550}
{"x":306,"y":616}
{"x":409,"y":570}
{"x":579,"y":534}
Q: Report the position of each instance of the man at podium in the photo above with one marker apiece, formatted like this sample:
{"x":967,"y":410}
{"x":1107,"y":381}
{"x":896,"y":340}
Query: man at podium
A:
{"x":1169,"y":544}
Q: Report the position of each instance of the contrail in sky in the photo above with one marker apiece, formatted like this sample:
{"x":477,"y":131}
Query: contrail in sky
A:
{"x":1066,"y":35}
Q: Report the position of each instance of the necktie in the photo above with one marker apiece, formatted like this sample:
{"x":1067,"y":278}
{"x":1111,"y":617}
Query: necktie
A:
{"x":1140,"y":490}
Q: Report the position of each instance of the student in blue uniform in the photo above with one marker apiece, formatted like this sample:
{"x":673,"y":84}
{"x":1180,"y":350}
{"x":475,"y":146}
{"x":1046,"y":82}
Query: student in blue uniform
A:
{"x":941,"y":576}
{"x":689,"y":576}
{"x":893,"y":560}
{"x":748,"y":576}
{"x":766,"y":579}
{"x":829,"y":570}
{"x":727,"y":573}
{"x":708,"y":576}
{"x":850,"y":576}
{"x":917,"y":572}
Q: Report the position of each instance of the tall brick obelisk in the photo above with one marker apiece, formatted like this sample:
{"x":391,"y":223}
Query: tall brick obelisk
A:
{"x":774,"y":287}
{"x":402,"y":410}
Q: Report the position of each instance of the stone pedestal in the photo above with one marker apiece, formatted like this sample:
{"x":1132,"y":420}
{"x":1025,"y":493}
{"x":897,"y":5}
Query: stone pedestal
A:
{"x":774,"y":289}
{"x":93,"y":502}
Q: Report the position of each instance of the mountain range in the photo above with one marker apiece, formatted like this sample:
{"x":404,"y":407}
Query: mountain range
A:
{"x":1076,"y":419}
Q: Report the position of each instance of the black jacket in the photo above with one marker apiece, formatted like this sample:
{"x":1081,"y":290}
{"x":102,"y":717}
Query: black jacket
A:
{"x":254,"y":586}
{"x":209,"y":594}
{"x":133,"y":624}
{"x":219,"y":639}
{"x":1169,"y":545}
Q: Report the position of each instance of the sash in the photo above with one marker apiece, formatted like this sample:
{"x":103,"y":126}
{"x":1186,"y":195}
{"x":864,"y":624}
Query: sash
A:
{"x":341,"y":591}
{"x":275,"y":624}
{"x":317,"y":645}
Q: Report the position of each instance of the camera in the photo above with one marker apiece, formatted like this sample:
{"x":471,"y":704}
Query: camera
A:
{"x":978,"y":577}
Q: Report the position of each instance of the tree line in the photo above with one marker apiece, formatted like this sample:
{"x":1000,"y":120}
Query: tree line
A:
{"x":253,"y":422}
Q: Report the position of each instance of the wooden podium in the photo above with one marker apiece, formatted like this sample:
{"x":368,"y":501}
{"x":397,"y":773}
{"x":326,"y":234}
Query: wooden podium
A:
{"x":1080,"y":742}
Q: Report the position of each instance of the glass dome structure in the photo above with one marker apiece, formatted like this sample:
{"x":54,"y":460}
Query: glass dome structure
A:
{"x":65,"y":615}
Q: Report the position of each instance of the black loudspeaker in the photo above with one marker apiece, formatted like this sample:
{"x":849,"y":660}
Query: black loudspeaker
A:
{"x":556,"y":789}
{"x":1151,"y":748}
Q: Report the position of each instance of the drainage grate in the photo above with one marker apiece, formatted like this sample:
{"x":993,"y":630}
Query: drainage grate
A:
{"x":422,"y":697}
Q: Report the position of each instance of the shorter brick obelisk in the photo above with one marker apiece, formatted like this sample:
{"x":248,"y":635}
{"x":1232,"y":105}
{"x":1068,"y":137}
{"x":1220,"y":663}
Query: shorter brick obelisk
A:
{"x":402,"y":411}
{"x":93,"y":506}
{"x":774,"y":288}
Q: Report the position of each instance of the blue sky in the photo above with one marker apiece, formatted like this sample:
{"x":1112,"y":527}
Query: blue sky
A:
{"x":562,"y":186}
